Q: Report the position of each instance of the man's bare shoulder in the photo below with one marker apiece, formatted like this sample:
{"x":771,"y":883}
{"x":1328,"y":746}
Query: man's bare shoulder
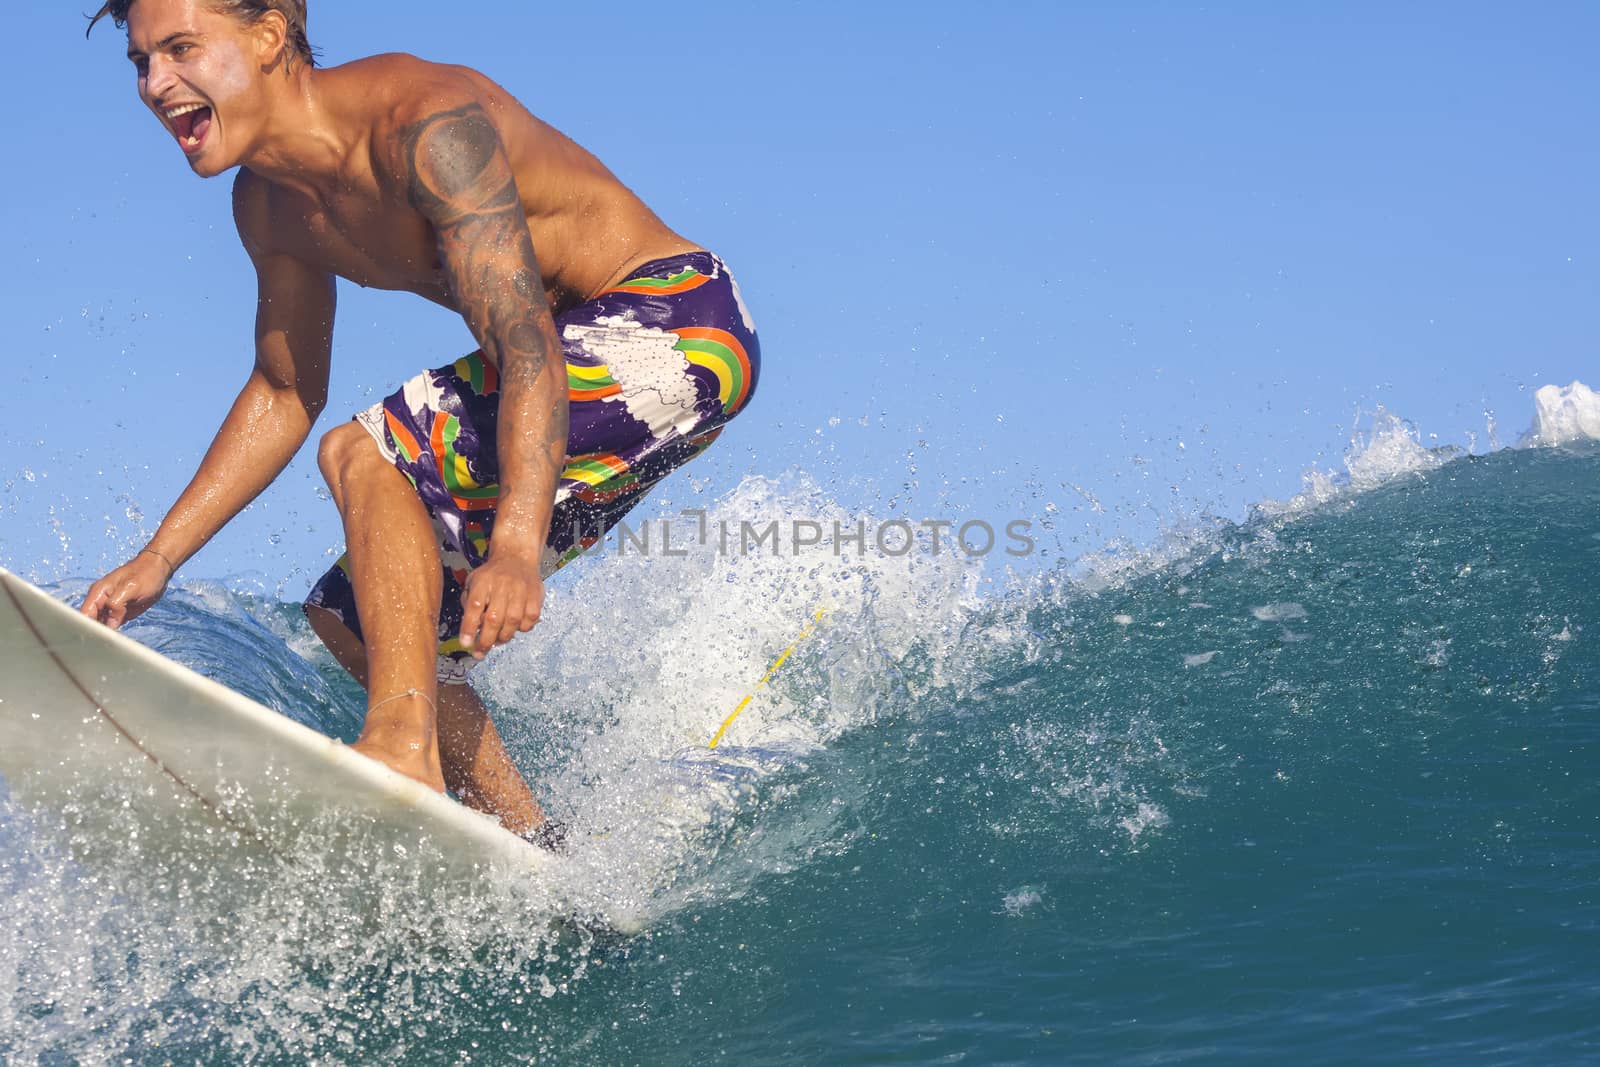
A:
{"x":405,"y":89}
{"x":398,"y":94}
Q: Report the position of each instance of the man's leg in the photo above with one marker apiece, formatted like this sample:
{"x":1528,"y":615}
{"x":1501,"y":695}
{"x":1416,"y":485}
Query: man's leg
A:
{"x":395,"y":569}
{"x":476,"y":766}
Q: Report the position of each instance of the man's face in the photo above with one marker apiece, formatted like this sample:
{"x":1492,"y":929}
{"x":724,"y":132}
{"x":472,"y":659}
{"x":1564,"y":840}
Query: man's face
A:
{"x":199,"y":72}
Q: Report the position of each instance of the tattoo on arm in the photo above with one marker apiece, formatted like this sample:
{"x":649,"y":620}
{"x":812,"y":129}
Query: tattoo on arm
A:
{"x":458,"y":177}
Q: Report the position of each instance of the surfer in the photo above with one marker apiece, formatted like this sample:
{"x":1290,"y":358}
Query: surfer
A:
{"x":611,"y":351}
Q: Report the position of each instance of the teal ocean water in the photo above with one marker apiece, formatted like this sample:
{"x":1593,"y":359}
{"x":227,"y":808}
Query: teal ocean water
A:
{"x":1321,"y":785}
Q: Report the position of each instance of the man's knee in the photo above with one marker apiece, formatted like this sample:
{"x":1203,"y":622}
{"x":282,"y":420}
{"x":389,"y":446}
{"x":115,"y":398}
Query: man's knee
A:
{"x":342,"y":449}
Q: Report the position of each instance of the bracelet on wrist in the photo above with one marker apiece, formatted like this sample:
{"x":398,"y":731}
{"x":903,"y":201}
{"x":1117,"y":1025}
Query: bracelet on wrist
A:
{"x":171,"y":570}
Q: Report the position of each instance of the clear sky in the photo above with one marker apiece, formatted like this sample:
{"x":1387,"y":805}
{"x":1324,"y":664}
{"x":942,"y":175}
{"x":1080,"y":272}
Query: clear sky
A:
{"x":995,"y":250}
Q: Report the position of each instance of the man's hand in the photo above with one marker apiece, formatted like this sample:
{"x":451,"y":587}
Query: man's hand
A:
{"x":127,"y":592}
{"x":502,"y":598}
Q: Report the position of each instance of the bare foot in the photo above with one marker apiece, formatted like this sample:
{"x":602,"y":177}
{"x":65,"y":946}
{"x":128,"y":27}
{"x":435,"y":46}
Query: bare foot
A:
{"x":412,"y":758}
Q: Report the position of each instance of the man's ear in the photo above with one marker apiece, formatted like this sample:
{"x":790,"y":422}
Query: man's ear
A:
{"x":271,"y":32}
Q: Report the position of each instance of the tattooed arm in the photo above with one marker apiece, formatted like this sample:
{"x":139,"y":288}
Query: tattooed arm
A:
{"x":459,"y":179}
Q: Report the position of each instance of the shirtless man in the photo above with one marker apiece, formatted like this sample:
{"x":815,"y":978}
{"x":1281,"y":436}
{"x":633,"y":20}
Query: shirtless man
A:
{"x":606,"y":362}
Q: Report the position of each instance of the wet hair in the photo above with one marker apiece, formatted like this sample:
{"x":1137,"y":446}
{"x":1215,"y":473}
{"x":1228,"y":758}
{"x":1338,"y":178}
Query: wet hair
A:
{"x":293,"y":11}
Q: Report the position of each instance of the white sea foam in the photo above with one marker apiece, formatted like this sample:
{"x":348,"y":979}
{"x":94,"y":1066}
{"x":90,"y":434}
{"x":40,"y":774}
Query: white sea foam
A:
{"x":153,"y":949}
{"x":1390,"y":448}
{"x":1387,"y":447}
{"x":1564,"y":416}
{"x":1020,"y":900}
{"x":642,"y":659}
{"x":1146,"y":816}
{"x":1105,"y":765}
{"x":1383,"y":447}
{"x":1280,"y":612}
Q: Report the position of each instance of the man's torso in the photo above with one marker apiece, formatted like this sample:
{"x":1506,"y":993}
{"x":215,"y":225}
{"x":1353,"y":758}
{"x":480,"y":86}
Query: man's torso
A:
{"x":589,"y":231}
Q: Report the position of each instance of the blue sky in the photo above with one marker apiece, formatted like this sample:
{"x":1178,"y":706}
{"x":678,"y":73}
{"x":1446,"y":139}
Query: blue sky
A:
{"x":1029,"y":245}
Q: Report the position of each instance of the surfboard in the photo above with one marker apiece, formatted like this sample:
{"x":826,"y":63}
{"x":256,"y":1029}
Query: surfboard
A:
{"x":96,"y":726}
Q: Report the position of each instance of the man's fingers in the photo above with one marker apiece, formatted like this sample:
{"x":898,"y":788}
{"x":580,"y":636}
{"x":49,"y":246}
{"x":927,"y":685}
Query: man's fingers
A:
{"x":480,"y":622}
{"x":112,"y":611}
{"x":515,"y":610}
{"x":102,"y":607}
{"x":509,"y":627}
{"x":471,"y":615}
{"x":489,"y":636}
{"x":91,"y":603}
{"x":500,"y":625}
{"x":495,"y":611}
{"x":516,"y":606}
{"x":530,"y":614}
{"x":123,"y":595}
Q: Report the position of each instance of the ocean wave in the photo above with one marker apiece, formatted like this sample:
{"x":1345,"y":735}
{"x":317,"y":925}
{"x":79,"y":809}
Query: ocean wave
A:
{"x":1114,"y":769}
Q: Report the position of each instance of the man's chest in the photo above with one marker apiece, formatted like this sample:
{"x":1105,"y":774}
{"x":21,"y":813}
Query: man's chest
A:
{"x":371,"y":239}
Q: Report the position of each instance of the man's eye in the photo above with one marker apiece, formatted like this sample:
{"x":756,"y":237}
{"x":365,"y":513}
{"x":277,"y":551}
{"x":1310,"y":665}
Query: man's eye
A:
{"x":181,"y":49}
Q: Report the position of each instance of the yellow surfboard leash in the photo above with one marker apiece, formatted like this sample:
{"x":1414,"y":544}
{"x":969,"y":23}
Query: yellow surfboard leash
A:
{"x":812,"y":625}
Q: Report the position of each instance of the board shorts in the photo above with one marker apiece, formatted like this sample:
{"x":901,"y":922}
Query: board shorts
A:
{"x":656,"y":367}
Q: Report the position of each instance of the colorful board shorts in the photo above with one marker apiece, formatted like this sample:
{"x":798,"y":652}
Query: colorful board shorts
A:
{"x":656,"y":366}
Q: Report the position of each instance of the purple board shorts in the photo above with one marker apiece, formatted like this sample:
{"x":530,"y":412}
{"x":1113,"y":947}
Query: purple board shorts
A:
{"x":656,"y":366}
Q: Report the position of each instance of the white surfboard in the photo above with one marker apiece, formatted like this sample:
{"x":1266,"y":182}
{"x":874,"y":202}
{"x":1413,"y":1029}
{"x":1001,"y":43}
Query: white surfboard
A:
{"x":91,"y":717}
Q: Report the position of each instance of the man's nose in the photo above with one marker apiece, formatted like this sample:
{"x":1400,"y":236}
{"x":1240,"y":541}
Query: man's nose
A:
{"x":158,"y":78}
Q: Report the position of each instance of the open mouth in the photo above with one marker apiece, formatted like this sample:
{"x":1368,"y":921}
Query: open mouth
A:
{"x":191,"y":122}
